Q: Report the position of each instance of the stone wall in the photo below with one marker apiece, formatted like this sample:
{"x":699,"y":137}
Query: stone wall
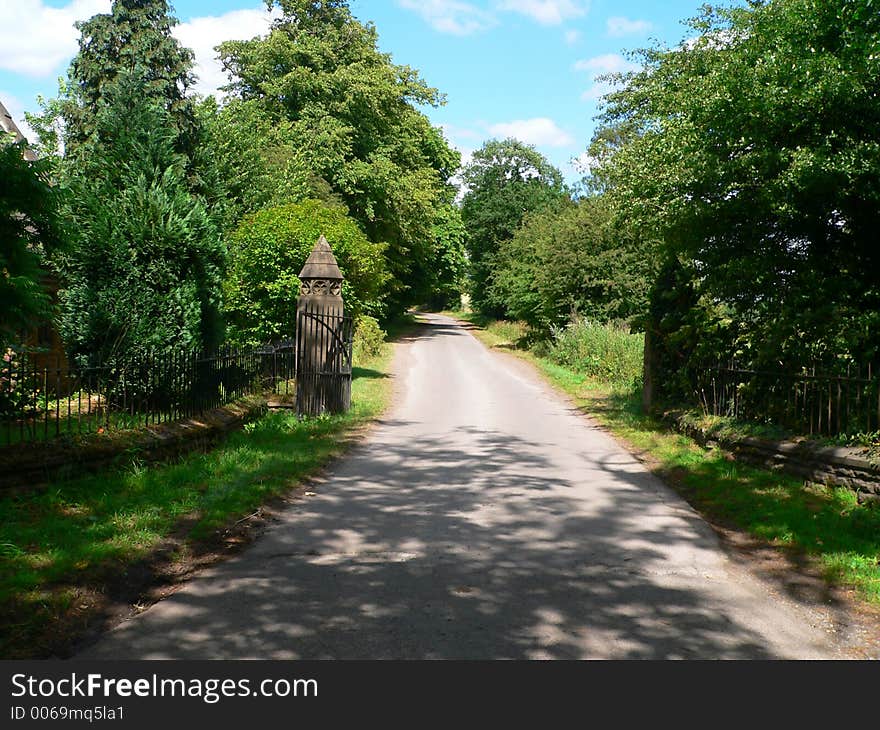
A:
{"x":832,"y":465}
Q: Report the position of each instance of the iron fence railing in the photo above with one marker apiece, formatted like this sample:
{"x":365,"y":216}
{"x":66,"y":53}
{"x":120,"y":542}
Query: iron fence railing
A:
{"x":809,"y":401}
{"x":41,"y":402}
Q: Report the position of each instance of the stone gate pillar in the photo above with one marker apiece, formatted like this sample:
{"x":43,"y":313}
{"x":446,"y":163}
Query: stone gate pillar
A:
{"x":323,"y":337}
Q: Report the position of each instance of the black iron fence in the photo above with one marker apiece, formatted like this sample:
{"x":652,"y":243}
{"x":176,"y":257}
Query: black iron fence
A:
{"x":809,"y":402}
{"x":40,"y":402}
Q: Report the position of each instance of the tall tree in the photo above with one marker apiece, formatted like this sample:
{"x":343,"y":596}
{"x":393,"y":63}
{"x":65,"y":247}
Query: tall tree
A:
{"x":135,"y":35}
{"x":253,"y":155}
{"x":506,"y":180}
{"x":753,"y":152}
{"x":144,"y":263}
{"x":351,"y":115}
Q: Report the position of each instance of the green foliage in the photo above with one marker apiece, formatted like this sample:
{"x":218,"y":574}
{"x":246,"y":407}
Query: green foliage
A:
{"x":254,"y":157}
{"x":28,"y":230}
{"x":606,"y":352}
{"x":568,"y":260}
{"x":369,"y":338}
{"x":348,"y":118}
{"x":506,"y":180}
{"x":143,"y":269}
{"x":267,"y":252}
{"x":753,"y":154}
{"x":449,"y":267}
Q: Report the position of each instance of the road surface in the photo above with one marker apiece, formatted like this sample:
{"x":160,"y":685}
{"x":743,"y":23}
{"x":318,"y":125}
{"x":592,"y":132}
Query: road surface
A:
{"x":483,"y":518}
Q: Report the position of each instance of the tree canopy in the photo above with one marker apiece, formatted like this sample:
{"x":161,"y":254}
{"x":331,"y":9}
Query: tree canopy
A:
{"x":752,"y":152}
{"x":350,"y":119}
{"x":134,"y":37}
{"x":505,"y":181}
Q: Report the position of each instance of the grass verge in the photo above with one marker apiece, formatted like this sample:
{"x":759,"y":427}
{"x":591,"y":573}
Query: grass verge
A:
{"x":825,"y":525}
{"x":63,"y":546}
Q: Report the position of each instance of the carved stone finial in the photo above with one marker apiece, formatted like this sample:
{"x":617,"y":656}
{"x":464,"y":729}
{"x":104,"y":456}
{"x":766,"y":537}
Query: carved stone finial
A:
{"x":321,"y":263}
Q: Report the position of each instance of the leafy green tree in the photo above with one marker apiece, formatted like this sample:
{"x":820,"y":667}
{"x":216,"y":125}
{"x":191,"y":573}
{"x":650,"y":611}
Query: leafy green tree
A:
{"x":268,"y":250}
{"x":506,"y":180}
{"x":449,"y":269}
{"x":143,"y":268}
{"x":257,"y":164}
{"x":349,"y":116}
{"x":569,"y":260}
{"x":28,"y":232}
{"x":753,"y":153}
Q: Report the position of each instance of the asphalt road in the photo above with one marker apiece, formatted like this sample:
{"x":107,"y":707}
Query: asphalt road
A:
{"x":484,"y":518}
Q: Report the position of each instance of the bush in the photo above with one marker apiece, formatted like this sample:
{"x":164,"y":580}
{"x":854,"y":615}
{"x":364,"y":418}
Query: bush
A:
{"x":368,"y":338}
{"x":603,"y":351}
{"x":267,"y":252}
{"x":569,"y":259}
{"x":143,"y":267}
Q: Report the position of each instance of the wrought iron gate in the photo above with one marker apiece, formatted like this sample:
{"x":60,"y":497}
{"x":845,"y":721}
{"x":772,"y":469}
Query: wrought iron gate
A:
{"x":323,"y":361}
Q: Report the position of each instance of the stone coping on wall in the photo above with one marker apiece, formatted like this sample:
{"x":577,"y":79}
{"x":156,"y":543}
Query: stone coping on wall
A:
{"x":31,"y":464}
{"x":839,"y":466}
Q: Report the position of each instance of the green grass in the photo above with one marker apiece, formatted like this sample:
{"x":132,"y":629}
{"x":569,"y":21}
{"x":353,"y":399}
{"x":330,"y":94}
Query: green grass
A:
{"x":827,"y":525}
{"x":59,"y":542}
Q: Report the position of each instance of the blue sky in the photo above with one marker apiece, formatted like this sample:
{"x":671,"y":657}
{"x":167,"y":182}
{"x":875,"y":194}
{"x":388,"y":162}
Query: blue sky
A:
{"x":522,"y":68}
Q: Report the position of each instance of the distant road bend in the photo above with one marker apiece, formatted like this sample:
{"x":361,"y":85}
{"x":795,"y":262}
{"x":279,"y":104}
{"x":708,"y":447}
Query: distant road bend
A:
{"x":483,"y":518}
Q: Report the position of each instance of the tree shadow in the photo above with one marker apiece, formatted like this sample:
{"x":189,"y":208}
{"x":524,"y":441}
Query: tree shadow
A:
{"x":369,"y":374}
{"x":463,"y":544}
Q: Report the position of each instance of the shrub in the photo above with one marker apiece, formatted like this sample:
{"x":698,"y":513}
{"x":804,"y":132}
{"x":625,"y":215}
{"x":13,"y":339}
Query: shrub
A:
{"x":28,"y":228}
{"x":607,"y":352}
{"x":143,"y":267}
{"x":569,"y":258}
{"x":368,"y":337}
{"x":267,"y":252}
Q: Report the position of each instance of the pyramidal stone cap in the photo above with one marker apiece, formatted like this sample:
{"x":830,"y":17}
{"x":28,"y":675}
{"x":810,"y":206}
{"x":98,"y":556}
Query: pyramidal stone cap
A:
{"x":321,"y":263}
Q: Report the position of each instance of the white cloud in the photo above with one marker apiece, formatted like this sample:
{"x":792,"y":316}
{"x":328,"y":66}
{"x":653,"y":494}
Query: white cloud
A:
{"x":600,"y":65}
{"x":36,"y":39}
{"x":454,"y":133}
{"x":203,"y":34}
{"x":539,"y":131}
{"x":451,"y":16}
{"x":609,"y":63}
{"x":572,"y":37}
{"x":619,"y":26}
{"x":546,"y":12}
{"x":584,"y":163}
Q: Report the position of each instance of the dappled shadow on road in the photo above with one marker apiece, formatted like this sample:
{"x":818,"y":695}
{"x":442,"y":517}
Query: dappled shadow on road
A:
{"x":465,"y":544}
{"x":432,"y":328}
